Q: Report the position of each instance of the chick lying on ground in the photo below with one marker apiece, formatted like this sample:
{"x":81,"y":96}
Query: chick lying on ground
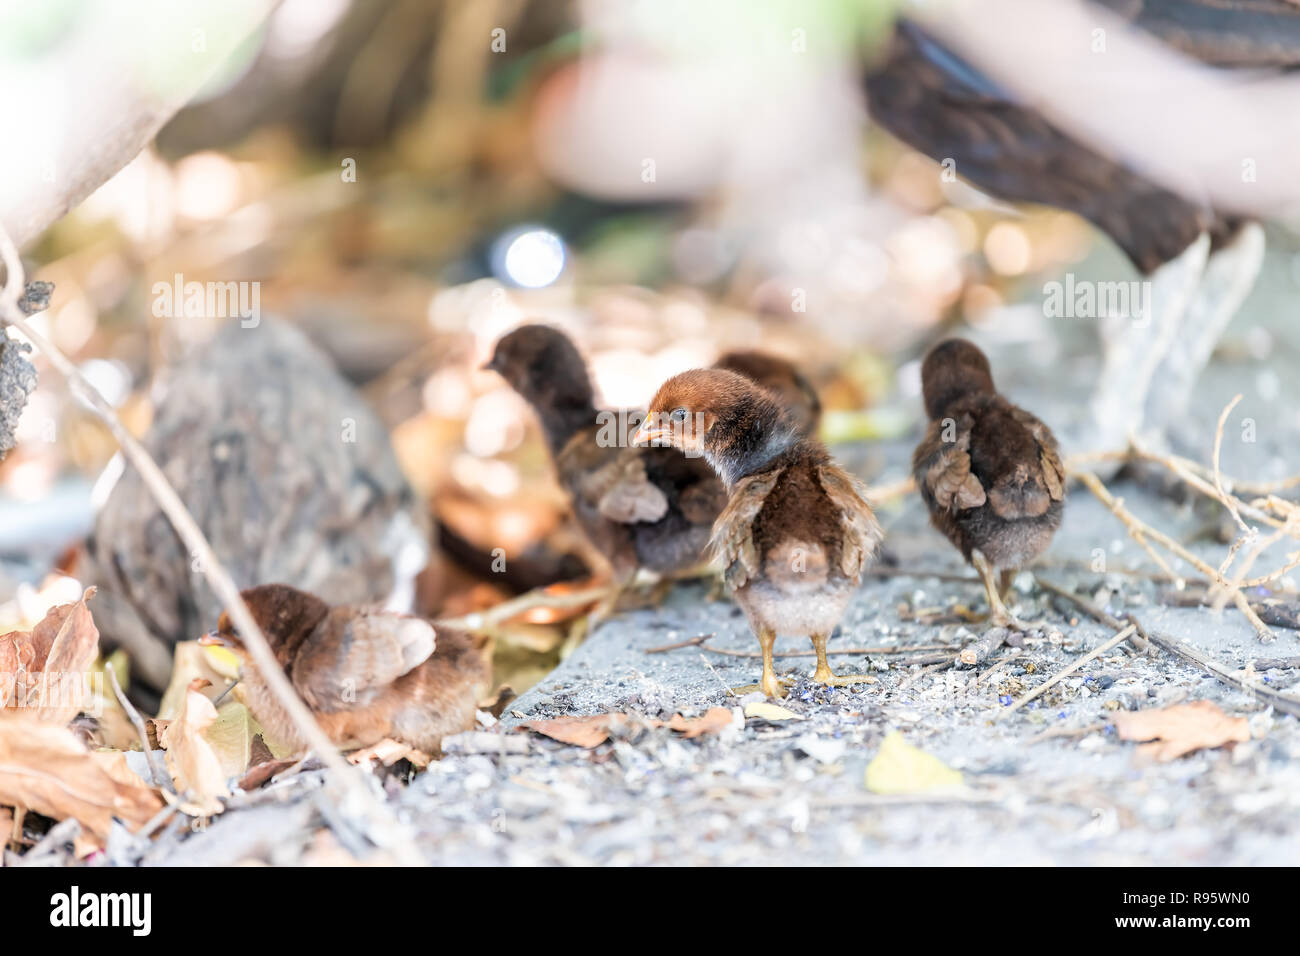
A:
{"x":365,"y":674}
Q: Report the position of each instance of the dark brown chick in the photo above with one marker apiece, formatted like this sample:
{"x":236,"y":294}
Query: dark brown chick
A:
{"x":988,"y":470}
{"x":786,"y":383}
{"x":639,"y":507}
{"x":797,"y":531}
{"x":365,"y":674}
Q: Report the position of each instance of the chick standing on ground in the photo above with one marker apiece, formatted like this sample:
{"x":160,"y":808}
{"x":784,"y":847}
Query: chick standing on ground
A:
{"x":797,"y":531}
{"x":639,"y":507}
{"x":988,"y":471}
{"x":365,"y":674}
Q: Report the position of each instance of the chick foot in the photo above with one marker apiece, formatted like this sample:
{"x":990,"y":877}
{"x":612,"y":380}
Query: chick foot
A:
{"x":824,"y":674}
{"x":999,"y":615}
{"x":769,"y":684}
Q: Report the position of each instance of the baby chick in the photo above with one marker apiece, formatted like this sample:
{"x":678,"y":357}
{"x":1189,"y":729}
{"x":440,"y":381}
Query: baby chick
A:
{"x":784,"y":381}
{"x":365,"y":674}
{"x":797,"y":531}
{"x":639,"y":507}
{"x":988,"y":471}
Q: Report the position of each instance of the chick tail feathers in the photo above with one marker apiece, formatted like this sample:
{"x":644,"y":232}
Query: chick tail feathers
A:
{"x":797,"y":567}
{"x":1019,"y":495}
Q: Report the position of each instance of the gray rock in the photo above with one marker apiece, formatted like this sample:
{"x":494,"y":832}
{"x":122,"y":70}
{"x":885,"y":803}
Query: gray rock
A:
{"x":287,"y":471}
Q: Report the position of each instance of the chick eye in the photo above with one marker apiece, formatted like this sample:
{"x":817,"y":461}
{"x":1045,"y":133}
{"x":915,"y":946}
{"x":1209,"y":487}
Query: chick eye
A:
{"x":677,"y":416}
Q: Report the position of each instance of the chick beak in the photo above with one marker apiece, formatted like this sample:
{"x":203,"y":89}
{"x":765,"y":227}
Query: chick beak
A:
{"x":213,"y":639}
{"x":652,"y":430}
{"x":490,"y":365}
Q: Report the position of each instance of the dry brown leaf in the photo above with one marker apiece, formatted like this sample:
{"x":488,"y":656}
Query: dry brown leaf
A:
{"x":714,"y":721}
{"x":580,"y":731}
{"x":44,"y":673}
{"x":45,"y":767}
{"x":193,"y":764}
{"x":1180,"y":729}
{"x":261,"y":772}
{"x":593,"y":731}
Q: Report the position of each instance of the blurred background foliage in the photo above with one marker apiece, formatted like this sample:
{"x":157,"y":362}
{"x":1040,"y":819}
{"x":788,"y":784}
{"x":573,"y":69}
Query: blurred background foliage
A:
{"x":408,"y":179}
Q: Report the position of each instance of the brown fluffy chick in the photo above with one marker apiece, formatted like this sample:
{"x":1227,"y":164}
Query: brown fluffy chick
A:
{"x":988,"y":470}
{"x":797,"y":531}
{"x":639,"y":507}
{"x":795,"y":393}
{"x":365,"y":674}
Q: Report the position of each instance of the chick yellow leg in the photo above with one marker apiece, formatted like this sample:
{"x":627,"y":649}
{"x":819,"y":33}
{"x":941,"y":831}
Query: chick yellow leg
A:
{"x":824,"y":674}
{"x":770,"y":685}
{"x":999,"y":616}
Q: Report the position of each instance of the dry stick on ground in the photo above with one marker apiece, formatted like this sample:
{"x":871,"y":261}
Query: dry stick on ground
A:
{"x":700,"y":643}
{"x":1282,"y":702}
{"x":1186,"y":470}
{"x":1091,"y":609}
{"x":978,"y":651}
{"x":1140,"y":530}
{"x":727,"y":652}
{"x":678,"y":645}
{"x":1228,"y":502}
{"x":1065,"y":732}
{"x":157,"y":766}
{"x":1248,"y":535}
{"x":1001,"y":662}
{"x":1060,"y":675}
{"x":1278,"y":701}
{"x":1137,"y":530}
{"x":1274,"y":615}
{"x":483,"y":621}
{"x":391,"y":834}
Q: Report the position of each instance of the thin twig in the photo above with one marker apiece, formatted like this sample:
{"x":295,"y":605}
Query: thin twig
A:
{"x":1137,"y":529}
{"x":1001,"y":662}
{"x":157,"y":766}
{"x":481,"y":621}
{"x":1282,"y":702}
{"x":1067,"y":671}
{"x":1278,"y":701}
{"x":220,"y":698}
{"x":1228,"y":502}
{"x":1140,"y":530}
{"x":1064,"y":732}
{"x":391,"y":834}
{"x":1093,"y":610}
{"x":728,"y":652}
{"x":689,"y":642}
